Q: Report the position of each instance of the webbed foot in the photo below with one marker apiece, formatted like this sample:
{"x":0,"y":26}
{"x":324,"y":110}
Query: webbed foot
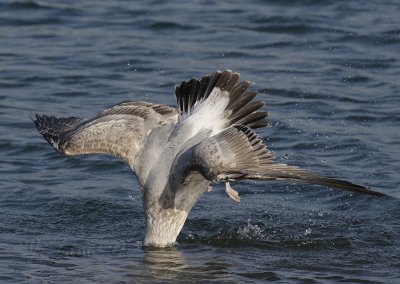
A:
{"x":233,"y":194}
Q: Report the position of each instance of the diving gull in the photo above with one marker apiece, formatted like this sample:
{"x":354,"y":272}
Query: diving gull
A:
{"x":177,"y":152}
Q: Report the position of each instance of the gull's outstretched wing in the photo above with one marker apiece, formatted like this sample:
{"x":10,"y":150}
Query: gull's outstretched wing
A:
{"x":214,"y":103}
{"x":118,"y":130}
{"x":192,"y":95}
{"x":237,"y":153}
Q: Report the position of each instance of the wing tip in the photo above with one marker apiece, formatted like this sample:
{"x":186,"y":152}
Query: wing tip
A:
{"x":53,"y":129}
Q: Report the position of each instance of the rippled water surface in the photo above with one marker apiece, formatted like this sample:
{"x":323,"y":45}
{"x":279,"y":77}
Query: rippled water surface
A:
{"x":329,"y":73}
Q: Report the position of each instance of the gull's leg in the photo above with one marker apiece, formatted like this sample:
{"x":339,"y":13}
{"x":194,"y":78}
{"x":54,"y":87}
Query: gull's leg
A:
{"x":209,"y":188}
{"x":233,"y":194}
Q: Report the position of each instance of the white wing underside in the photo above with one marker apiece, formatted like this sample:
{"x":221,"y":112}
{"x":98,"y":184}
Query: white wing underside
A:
{"x":209,"y":114}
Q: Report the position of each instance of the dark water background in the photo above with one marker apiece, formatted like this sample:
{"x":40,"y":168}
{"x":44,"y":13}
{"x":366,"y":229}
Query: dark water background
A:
{"x":329,"y":72}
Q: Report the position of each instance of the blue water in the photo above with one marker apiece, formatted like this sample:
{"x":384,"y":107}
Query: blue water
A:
{"x":329,"y":74}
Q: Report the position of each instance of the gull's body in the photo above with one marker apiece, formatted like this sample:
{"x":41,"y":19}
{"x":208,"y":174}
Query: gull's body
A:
{"x":177,"y":153}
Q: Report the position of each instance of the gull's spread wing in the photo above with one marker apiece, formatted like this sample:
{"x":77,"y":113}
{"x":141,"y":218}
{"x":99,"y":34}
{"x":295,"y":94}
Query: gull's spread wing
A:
{"x":237,"y":153}
{"x":118,"y":130}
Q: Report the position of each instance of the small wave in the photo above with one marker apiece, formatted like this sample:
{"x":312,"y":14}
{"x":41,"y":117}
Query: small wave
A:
{"x":386,"y":38}
{"x":169,"y":26}
{"x":32,"y":6}
{"x":292,"y":29}
{"x":15,"y":22}
{"x":364,"y":63}
{"x":24,"y":5}
{"x":356,"y":79}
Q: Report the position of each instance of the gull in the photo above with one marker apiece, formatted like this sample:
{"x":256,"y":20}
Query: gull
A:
{"x":176,"y":153}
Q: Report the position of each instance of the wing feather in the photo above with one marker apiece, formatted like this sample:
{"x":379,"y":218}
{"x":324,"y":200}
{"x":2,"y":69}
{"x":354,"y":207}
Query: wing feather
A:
{"x":202,"y":96}
{"x":118,"y":130}
{"x":237,"y":153}
{"x":215,"y":103}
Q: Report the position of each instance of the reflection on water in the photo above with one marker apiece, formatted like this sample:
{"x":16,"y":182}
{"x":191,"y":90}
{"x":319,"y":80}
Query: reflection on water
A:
{"x":182,"y":263}
{"x":164,"y":263}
